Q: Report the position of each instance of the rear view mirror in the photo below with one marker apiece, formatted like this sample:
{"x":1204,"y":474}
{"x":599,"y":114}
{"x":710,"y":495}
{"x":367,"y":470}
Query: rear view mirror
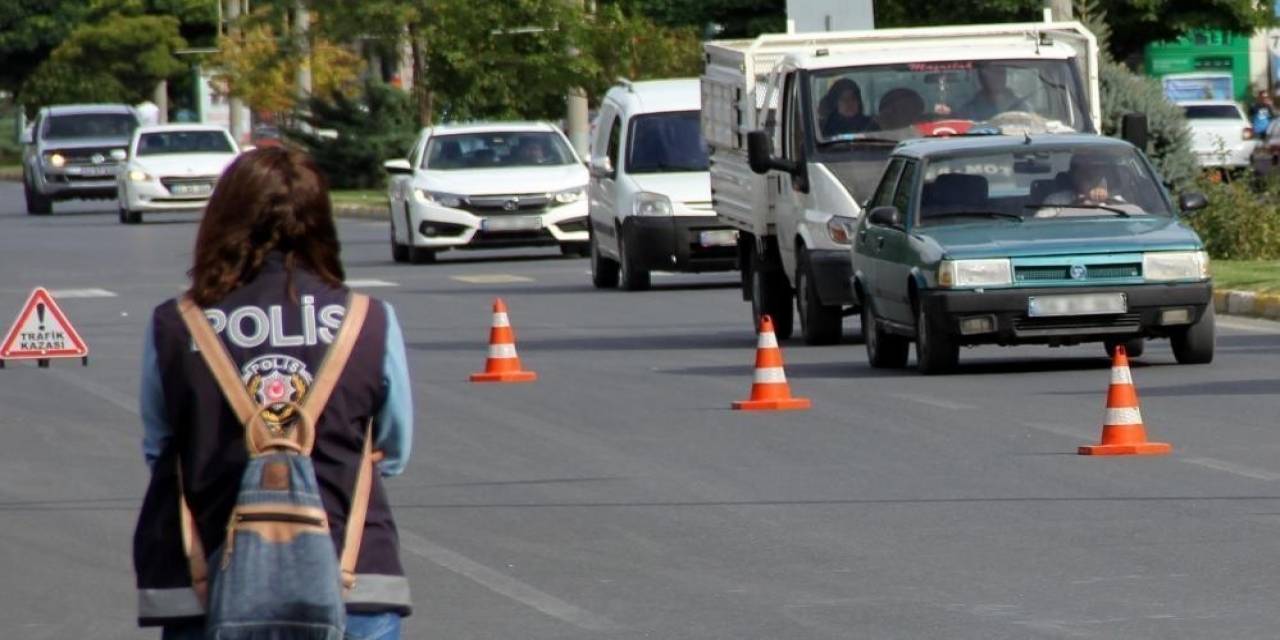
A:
{"x":1192,"y":201}
{"x":885,"y":217}
{"x":398,"y":166}
{"x":1032,"y":166}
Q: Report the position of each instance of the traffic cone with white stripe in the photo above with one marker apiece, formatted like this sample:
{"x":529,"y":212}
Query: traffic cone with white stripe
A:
{"x":770,"y":390}
{"x":1123,"y":433}
{"x":502,"y":365}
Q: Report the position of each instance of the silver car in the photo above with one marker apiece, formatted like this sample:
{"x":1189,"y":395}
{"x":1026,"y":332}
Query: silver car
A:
{"x":75,"y":151}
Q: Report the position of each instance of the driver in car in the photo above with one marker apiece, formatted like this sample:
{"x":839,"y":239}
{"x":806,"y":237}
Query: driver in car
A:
{"x":993,"y":96}
{"x":1090,"y":184}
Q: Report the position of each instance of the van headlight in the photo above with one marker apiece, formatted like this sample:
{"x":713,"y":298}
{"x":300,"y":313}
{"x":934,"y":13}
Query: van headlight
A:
{"x":569,"y":196}
{"x":651,"y":204}
{"x":138,"y":176}
{"x":433,"y":197}
{"x":841,"y":229}
{"x":975,"y":273}
{"x":57,"y":159}
{"x":1164,"y":266}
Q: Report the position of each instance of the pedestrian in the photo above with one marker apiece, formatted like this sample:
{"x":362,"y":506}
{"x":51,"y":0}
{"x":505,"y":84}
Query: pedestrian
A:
{"x":1264,"y":111}
{"x":267,"y":274}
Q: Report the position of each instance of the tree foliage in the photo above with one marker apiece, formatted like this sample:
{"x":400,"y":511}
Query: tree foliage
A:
{"x":633,"y":46}
{"x":371,"y":127}
{"x":713,"y":18}
{"x":29,"y":32}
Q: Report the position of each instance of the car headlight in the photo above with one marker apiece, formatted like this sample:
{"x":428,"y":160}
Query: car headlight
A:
{"x":569,"y":195}
{"x":119,"y":155}
{"x":651,"y":204}
{"x":138,"y":176}
{"x":443,"y":199}
{"x":975,"y":273}
{"x":841,"y":229}
{"x":1162,"y":266}
{"x":57,"y":159}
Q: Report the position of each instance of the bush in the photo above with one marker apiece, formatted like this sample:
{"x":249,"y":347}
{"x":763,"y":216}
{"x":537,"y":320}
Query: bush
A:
{"x":1241,"y":222}
{"x":1168,"y":139}
{"x":376,"y":126}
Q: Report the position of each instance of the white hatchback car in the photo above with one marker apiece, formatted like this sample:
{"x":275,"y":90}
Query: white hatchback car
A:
{"x":487,"y":185}
{"x":172,"y":168}
{"x":1221,"y":135}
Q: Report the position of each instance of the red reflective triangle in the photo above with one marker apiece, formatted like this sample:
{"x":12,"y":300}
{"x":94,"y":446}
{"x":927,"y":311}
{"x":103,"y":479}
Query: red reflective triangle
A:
{"x":42,"y":331}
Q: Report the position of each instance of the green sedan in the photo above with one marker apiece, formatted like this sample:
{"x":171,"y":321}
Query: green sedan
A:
{"x":1054,"y":239}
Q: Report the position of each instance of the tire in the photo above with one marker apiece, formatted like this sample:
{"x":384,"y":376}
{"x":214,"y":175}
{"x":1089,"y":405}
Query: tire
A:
{"x":1194,"y":345}
{"x":604,"y":271}
{"x":771,"y":295}
{"x":631,"y":276}
{"x":884,"y":350}
{"x":37,"y":204}
{"x":130,"y":217}
{"x":1133,"y":347}
{"x":420,"y":255}
{"x":575,"y":249}
{"x":936,"y":352}
{"x":819,"y":323}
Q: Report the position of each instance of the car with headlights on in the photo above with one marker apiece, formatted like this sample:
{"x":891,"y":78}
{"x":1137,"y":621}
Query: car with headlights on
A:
{"x":74,"y":151}
{"x":1057,"y":239}
{"x":172,"y":168}
{"x":487,"y":185}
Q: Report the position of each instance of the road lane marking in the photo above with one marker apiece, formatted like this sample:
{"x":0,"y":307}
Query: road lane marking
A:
{"x":491,"y":278}
{"x":503,"y":584}
{"x":371,"y":282}
{"x":1230,"y":467}
{"x":81,"y":293}
{"x":934,"y":402}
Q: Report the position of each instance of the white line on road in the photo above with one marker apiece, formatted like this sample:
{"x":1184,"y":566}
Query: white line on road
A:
{"x":491,"y":278}
{"x":503,"y":584}
{"x":1237,"y":469}
{"x":934,"y":402}
{"x":81,"y":293}
{"x":370,"y":282}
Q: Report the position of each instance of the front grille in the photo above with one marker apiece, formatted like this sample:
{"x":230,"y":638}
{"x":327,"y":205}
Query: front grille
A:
{"x":1062,"y":273}
{"x":86,"y":156}
{"x":1119,"y":323}
{"x":518,"y":203}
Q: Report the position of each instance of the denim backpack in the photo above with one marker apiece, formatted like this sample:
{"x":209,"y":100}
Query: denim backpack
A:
{"x":277,"y":575}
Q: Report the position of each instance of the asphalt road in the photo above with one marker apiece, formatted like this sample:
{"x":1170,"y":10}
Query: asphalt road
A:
{"x":619,"y":497}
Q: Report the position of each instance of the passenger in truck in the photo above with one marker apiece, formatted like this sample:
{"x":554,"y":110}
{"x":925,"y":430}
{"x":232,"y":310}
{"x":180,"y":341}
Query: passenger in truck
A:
{"x":840,"y":110}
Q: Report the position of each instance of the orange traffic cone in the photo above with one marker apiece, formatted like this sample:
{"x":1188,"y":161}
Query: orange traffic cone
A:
{"x":1123,"y":433}
{"x":502,"y":365}
{"x":770,"y":390}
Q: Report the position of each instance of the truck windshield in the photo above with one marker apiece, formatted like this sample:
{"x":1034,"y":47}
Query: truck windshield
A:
{"x":942,"y":98}
{"x":1042,"y":183}
{"x":496,"y":149}
{"x":666,"y":143}
{"x":89,"y":125}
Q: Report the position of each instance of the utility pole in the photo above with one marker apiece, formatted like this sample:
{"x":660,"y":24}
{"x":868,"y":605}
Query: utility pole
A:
{"x":301,"y":26}
{"x":236,"y":117}
{"x":577,"y":126}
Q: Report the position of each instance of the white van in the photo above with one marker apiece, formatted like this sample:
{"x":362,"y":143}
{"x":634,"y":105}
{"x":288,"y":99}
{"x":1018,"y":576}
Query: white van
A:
{"x":649,"y":195}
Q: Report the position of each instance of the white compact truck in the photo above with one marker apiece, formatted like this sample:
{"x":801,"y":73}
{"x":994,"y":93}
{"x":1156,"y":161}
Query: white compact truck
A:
{"x":800,"y":127}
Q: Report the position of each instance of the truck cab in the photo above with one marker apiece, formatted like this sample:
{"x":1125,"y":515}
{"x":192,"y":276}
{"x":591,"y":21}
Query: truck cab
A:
{"x":801,"y":126}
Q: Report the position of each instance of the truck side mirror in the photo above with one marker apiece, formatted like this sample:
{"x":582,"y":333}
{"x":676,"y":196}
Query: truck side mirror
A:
{"x":1190,"y":201}
{"x":759,"y":152}
{"x":1133,"y":129}
{"x":885,"y":217}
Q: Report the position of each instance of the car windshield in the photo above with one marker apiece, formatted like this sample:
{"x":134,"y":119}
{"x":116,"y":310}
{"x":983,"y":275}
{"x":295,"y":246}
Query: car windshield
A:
{"x":88,"y":125}
{"x":913,"y":99}
{"x":1212,"y":112}
{"x":151,"y":144}
{"x":496,"y":149}
{"x":666,"y":142}
{"x":1039,"y":184}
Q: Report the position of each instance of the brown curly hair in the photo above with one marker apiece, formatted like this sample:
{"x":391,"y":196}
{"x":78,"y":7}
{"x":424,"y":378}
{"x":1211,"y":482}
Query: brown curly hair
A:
{"x":269,"y":199}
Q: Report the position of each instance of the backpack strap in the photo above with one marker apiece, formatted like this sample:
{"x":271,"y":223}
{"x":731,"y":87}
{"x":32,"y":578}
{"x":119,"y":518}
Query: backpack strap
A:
{"x":359,"y":510}
{"x":335,"y":361}
{"x":218,"y":360}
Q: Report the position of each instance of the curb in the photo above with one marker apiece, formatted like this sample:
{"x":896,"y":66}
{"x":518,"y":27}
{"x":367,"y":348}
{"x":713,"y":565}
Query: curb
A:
{"x":361,"y":211}
{"x":1247,"y":303}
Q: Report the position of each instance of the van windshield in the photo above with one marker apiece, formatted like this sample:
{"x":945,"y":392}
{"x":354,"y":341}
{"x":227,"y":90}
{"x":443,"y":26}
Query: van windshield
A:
{"x":917,"y":99}
{"x":666,"y":143}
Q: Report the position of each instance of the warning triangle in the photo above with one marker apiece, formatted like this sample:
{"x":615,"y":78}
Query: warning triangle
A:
{"x":42,"y":331}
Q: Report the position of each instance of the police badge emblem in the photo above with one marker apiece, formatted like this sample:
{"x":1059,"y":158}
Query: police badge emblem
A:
{"x":276,"y":381}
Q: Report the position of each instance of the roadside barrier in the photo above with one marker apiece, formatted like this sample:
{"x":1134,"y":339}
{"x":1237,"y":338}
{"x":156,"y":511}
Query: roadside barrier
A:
{"x":502,"y":365}
{"x":769,"y":390}
{"x":1123,"y":433}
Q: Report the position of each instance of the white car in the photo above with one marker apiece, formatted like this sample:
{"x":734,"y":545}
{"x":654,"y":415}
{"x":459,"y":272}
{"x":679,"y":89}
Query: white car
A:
{"x":650,"y":189}
{"x":172,"y":168}
{"x":1221,"y":135}
{"x":487,"y":185}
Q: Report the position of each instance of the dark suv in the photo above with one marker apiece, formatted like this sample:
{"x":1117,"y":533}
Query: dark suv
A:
{"x":74,"y":151}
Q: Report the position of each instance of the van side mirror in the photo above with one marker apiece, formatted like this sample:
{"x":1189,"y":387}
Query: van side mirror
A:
{"x":760,"y":155}
{"x":1190,"y":201}
{"x":885,"y":217}
{"x":399,"y":166}
{"x":27,"y":136}
{"x":600,"y":167}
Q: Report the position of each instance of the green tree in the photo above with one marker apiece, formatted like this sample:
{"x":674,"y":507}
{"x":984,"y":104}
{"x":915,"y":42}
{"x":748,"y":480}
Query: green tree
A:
{"x":29,"y":32}
{"x":733,"y":18}
{"x":632,"y":46}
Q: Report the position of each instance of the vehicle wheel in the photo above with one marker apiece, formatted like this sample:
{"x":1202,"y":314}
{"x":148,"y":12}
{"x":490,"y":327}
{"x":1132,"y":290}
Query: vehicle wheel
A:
{"x":771,"y":295}
{"x":1194,"y":345}
{"x":37,"y":205}
{"x":604,"y":272}
{"x":575,"y":249}
{"x":884,"y":350}
{"x":130,"y":217}
{"x":819,"y":323}
{"x":420,"y":255}
{"x":936,"y":352}
{"x":1133,"y":347}
{"x":631,"y":276}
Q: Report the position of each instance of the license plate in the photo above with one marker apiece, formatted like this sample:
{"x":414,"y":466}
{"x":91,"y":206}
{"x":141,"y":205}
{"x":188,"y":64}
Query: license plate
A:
{"x":718,"y":238}
{"x":1081,"y":304}
{"x":511,"y":223}
{"x":92,"y":171}
{"x":194,"y":189}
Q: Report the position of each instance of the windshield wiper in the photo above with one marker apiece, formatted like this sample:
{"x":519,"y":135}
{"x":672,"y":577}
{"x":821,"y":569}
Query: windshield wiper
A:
{"x":977,"y":214}
{"x":1116,"y":210}
{"x":857,"y":138}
